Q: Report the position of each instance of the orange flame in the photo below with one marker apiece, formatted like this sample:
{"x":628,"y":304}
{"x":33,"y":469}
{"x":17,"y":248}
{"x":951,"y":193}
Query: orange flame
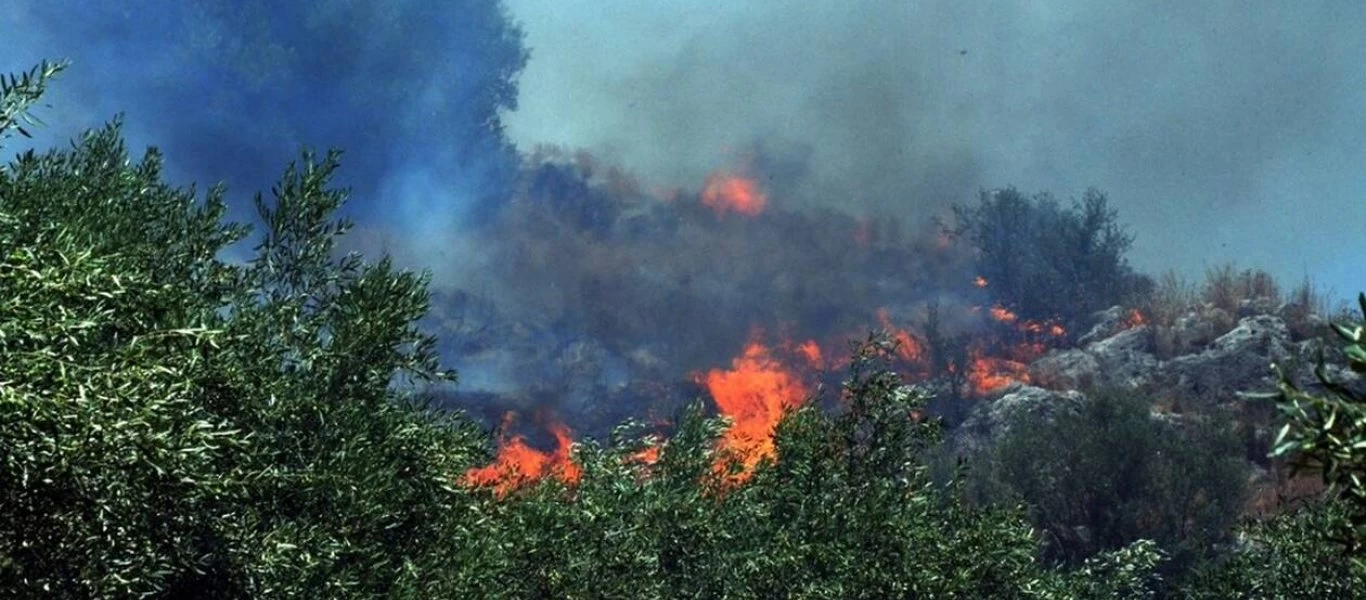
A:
{"x":649,"y":456}
{"x":987,"y":375}
{"x":754,"y":393}
{"x":1136,"y":319}
{"x":812,"y":353}
{"x":724,"y":193}
{"x":1002,"y":314}
{"x":907,"y":347}
{"x":980,"y":281}
{"x":518,"y":463}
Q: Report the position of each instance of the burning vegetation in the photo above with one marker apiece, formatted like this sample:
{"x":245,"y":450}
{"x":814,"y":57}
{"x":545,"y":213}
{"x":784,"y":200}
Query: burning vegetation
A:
{"x":605,"y":295}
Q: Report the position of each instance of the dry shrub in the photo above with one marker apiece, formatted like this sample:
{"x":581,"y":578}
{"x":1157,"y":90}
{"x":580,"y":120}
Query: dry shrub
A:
{"x":1226,"y":287}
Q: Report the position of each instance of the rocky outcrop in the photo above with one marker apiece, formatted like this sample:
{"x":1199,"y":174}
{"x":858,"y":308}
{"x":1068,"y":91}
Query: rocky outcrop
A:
{"x":1117,"y":355}
{"x":1239,"y":360}
{"x":1123,"y":359}
{"x":991,"y":419}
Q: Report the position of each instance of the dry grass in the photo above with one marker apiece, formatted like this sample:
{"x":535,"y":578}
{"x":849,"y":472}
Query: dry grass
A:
{"x":1226,"y":287}
{"x":1306,"y":308}
{"x":1172,"y":298}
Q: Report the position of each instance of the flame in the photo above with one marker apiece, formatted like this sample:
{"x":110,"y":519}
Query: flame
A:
{"x":909,"y":349}
{"x":987,"y":375}
{"x":1002,"y":314}
{"x":724,"y":193}
{"x":517,"y":463}
{"x":1136,"y":319}
{"x":754,"y":393}
{"x":980,"y":281}
{"x":811,"y":351}
{"x":648,"y":456}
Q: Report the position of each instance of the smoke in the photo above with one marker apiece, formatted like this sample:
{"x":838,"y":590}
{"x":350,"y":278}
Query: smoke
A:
{"x":1220,"y":131}
{"x":230,"y":91}
{"x":576,"y":261}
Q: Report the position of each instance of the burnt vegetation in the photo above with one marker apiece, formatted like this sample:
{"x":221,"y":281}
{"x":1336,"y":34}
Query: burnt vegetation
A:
{"x":174,"y":425}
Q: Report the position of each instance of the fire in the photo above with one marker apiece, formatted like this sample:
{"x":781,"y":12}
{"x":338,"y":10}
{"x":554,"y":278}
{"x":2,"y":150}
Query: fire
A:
{"x":811,"y":351}
{"x":724,"y":193}
{"x":1002,"y":314}
{"x":1135,"y":319}
{"x":980,"y":281}
{"x":518,"y":463}
{"x":987,"y":375}
{"x":909,"y":349}
{"x":753,"y":393}
{"x":649,"y":455}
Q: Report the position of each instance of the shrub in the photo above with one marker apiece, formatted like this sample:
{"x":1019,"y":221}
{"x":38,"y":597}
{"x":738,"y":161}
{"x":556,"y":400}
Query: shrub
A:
{"x":1287,"y":556}
{"x":1226,"y":287}
{"x":1045,"y":262}
{"x":1105,"y":473}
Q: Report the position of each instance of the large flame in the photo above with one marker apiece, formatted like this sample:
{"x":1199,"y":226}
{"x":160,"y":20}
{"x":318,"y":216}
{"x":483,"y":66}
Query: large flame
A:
{"x":725,"y":192}
{"x":518,"y":463}
{"x":754,"y":393}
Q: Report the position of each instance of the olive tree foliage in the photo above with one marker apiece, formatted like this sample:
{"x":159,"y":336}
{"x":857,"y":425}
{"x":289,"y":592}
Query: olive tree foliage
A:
{"x":1291,"y":556}
{"x":174,"y":425}
{"x":1326,"y":433}
{"x":19,"y":93}
{"x":846,"y":509}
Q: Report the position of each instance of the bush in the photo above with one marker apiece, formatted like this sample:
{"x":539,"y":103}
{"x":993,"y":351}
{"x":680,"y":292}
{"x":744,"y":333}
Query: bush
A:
{"x":1045,"y":262}
{"x":1287,"y":556}
{"x":1226,"y":287}
{"x":1105,"y":473}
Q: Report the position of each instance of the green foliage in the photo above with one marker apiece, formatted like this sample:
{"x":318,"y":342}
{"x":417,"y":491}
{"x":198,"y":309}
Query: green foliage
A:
{"x":19,"y":94}
{"x":171,"y":423}
{"x":1327,"y":433}
{"x":1288,"y":557}
{"x":846,"y":511}
{"x":1103,"y":473}
{"x":1045,"y":262}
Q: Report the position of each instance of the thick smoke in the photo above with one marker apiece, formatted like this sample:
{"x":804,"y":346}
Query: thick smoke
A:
{"x":570,"y":280}
{"x":231,"y":89}
{"x":1221,"y":131}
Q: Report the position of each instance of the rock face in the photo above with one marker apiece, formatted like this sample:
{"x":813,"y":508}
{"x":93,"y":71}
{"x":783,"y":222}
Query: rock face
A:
{"x":1239,"y":360}
{"x":1124,"y":359}
{"x":991,"y":419}
{"x":1214,"y":371}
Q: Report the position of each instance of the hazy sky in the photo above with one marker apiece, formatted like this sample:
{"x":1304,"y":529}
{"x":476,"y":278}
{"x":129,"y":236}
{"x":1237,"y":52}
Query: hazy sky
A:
{"x":1221,"y":130}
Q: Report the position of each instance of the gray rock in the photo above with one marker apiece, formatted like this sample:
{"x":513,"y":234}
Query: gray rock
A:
{"x":1124,"y":359}
{"x":1196,"y":330}
{"x":1239,"y":360}
{"x":1108,"y":322}
{"x":990,"y":420}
